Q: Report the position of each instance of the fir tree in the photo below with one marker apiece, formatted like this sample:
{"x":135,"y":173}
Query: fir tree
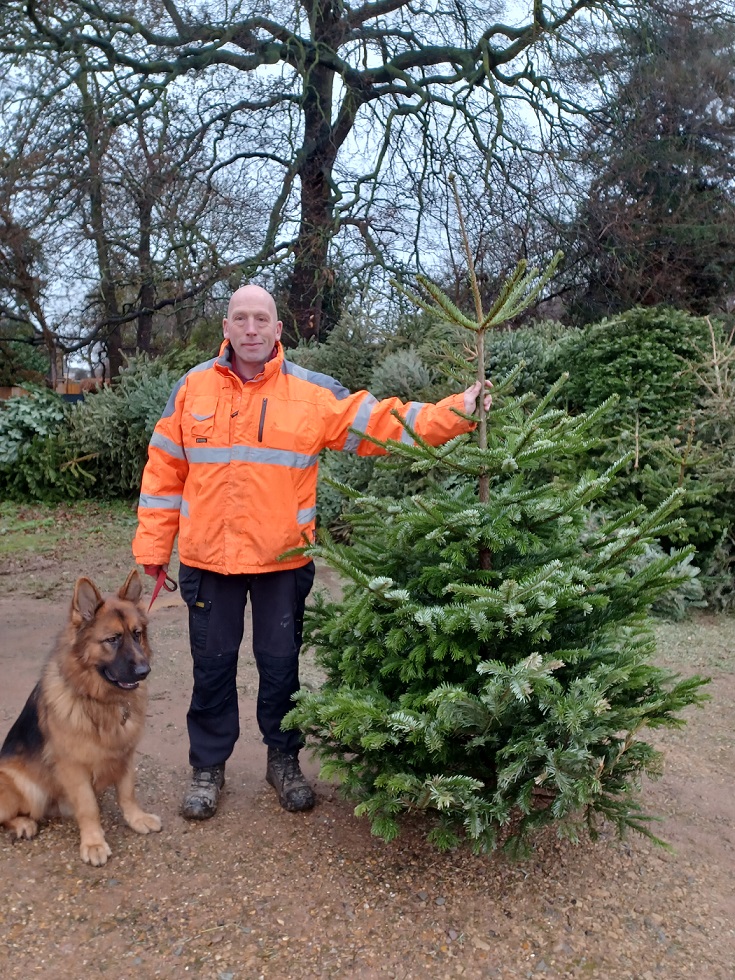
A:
{"x":490,"y":661}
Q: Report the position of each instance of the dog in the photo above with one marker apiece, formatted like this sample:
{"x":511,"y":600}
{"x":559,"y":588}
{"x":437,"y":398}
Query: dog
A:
{"x":80,"y":727}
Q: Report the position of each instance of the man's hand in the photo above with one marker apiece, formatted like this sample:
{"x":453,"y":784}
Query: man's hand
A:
{"x":470,"y":397}
{"x":154,"y":570}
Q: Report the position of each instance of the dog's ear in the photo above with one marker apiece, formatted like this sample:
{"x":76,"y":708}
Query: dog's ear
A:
{"x":133,"y":588}
{"x":87,"y":600}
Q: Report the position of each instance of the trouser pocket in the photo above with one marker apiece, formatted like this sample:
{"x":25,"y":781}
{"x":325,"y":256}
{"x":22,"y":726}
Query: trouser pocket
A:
{"x":190,"y":580}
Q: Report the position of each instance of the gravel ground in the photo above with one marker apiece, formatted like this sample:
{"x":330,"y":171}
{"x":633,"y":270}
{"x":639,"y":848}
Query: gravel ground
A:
{"x":260,"y":893}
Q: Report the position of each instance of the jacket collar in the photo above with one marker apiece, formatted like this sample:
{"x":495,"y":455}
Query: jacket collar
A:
{"x":224,"y":362}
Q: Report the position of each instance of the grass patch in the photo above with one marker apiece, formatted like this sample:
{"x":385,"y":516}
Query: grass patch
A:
{"x":44,"y":529}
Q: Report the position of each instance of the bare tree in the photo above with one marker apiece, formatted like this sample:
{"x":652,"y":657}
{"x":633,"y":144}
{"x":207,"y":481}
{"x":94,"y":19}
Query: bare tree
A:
{"x":120,"y":206}
{"x":22,"y":314}
{"x":345,"y":118}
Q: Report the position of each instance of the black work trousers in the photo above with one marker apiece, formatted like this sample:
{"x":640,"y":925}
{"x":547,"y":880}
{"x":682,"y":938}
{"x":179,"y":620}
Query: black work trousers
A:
{"x":216,"y":626}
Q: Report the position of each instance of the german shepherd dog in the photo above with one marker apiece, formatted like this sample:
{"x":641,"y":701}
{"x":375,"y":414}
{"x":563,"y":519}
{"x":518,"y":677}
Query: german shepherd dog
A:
{"x":79,"y":729}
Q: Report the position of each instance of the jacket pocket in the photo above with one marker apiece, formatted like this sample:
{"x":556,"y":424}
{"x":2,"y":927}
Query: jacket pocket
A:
{"x":202,"y":416}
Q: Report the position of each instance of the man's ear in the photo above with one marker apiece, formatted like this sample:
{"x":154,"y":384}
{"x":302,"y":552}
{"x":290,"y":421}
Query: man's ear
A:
{"x":226,"y":329}
{"x":279,"y":329}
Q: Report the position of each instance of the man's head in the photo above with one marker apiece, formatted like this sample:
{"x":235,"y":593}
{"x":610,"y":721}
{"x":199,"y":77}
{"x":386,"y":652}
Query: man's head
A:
{"x":252,"y":327}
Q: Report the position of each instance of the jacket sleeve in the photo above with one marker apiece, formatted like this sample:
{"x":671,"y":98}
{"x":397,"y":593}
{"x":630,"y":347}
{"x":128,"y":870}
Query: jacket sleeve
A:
{"x":363,"y":413}
{"x":162,"y":486}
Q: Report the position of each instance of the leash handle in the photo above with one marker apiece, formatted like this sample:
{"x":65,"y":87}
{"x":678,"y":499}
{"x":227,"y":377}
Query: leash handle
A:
{"x":163,"y":581}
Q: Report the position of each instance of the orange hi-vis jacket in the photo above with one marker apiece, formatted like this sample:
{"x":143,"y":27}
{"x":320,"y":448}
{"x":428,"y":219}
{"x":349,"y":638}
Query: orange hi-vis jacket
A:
{"x":232,"y":465}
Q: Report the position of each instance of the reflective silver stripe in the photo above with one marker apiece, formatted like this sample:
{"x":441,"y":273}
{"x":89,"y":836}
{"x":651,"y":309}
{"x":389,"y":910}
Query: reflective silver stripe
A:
{"x":413,"y":410}
{"x":167,"y":445}
{"x":208,"y":454}
{"x":306,"y":516}
{"x":184,"y":508}
{"x":163,"y":502}
{"x":251,"y":454}
{"x":360,"y":423}
{"x":314,"y":377}
{"x":276,"y":457}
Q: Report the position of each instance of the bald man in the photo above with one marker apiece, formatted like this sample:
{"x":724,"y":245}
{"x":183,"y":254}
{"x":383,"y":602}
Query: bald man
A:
{"x":232,"y":470}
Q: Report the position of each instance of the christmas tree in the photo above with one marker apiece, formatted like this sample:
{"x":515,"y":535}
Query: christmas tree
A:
{"x":490,"y":661}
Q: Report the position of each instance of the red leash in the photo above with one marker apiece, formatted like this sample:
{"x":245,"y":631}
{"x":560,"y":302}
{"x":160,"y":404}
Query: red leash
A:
{"x":165,"y":582}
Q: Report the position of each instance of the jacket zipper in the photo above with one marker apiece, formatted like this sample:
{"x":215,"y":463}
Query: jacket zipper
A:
{"x":262,"y":419}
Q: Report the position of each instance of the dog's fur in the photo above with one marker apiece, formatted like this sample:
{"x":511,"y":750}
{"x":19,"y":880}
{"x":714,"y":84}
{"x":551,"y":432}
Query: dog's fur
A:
{"x":79,"y":729}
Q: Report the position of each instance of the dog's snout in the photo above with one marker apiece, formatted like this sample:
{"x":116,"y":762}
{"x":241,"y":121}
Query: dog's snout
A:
{"x":141,"y":670}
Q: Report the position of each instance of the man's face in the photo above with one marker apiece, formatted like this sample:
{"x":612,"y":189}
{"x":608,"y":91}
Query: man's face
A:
{"x":252,"y":327}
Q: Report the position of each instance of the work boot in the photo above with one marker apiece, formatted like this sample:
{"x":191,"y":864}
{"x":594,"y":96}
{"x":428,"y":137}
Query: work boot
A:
{"x":201,"y":797}
{"x":285,"y":776}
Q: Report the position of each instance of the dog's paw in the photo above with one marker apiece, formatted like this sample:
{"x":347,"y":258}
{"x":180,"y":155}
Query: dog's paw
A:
{"x":23,"y":827}
{"x":145,"y":823}
{"x":95,"y":852}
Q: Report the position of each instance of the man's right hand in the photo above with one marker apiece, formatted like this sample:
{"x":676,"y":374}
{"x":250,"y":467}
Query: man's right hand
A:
{"x":154,"y":570}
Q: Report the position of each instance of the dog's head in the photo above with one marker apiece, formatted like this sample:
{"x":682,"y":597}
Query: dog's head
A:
{"x":111,"y":633}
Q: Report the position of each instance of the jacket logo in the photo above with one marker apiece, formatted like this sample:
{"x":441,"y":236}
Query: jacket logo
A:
{"x":201,"y":439}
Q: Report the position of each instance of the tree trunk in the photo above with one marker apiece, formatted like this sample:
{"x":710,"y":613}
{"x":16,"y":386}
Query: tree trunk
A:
{"x":146,"y":296}
{"x":95,"y":132}
{"x":311,"y":274}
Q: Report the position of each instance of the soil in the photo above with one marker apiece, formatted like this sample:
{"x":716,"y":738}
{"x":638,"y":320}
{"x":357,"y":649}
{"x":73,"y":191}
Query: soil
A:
{"x":260,"y":893}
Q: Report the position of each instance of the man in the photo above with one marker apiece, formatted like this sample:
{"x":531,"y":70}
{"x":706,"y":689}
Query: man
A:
{"x":232,"y":469}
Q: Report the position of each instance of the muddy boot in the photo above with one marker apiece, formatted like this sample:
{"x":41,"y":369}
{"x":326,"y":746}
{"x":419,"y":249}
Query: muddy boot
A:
{"x":285,"y":776}
{"x":202,"y":795}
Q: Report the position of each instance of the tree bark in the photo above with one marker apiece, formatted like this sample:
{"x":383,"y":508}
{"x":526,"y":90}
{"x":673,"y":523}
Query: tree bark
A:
{"x":147,"y":293}
{"x":95,"y":133}
{"x":322,"y":138}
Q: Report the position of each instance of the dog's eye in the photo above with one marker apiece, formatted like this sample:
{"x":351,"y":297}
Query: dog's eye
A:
{"x":137,"y":635}
{"x":114,"y":640}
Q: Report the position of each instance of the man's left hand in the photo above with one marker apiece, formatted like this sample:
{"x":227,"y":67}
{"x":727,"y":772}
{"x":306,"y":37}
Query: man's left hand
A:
{"x":470,"y":397}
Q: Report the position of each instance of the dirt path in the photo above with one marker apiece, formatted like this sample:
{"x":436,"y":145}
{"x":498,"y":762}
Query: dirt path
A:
{"x":259,"y":893}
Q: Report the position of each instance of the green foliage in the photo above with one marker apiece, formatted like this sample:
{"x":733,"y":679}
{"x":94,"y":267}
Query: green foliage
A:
{"x":359,"y":357}
{"x":542,"y":350}
{"x":642,"y":357}
{"x":498,"y":699}
{"x":402,"y":374}
{"x":665,"y":366}
{"x":670,"y":417}
{"x":713,"y":426}
{"x":48,"y":471}
{"x":21,"y":361}
{"x":177,"y":360}
{"x":38,"y":414}
{"x":717,"y":572}
{"x":109,"y":431}
{"x":336,"y":469}
{"x":349,"y":353}
{"x":96,"y":448}
{"x":519,"y":291}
